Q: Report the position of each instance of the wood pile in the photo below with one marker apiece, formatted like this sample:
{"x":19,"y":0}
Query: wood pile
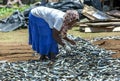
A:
{"x":98,"y":21}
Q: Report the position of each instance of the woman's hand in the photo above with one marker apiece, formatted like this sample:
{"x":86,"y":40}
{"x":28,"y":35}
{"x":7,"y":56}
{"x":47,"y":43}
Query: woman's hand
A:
{"x":72,"y":42}
{"x":69,"y":40}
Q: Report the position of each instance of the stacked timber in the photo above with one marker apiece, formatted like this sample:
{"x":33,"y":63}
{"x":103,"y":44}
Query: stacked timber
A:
{"x":98,"y":21}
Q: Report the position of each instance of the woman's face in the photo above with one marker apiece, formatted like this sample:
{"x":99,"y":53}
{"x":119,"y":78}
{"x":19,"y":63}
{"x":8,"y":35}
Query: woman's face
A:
{"x":71,"y":24}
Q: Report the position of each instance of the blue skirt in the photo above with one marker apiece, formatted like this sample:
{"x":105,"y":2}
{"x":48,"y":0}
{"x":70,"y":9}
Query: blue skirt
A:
{"x":40,"y":36}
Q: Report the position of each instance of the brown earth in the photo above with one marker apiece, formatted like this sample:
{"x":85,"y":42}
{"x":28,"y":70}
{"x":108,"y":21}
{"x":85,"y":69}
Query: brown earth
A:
{"x":13,"y":52}
{"x":22,"y":51}
{"x":111,"y":44}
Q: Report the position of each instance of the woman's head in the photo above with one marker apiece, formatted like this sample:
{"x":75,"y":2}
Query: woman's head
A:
{"x":71,"y":17}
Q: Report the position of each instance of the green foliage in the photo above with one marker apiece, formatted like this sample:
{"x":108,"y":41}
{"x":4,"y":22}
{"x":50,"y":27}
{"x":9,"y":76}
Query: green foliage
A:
{"x":5,"y":12}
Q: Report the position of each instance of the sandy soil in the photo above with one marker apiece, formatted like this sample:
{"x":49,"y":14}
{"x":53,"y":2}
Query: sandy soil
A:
{"x":22,"y":51}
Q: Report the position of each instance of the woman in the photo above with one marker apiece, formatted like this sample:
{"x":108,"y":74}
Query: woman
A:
{"x":47,"y":28}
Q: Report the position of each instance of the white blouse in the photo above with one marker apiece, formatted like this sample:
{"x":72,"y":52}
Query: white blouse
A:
{"x":52,"y":16}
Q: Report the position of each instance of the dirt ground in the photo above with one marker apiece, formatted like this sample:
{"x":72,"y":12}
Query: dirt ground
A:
{"x":111,"y":44}
{"x":13,"y":52}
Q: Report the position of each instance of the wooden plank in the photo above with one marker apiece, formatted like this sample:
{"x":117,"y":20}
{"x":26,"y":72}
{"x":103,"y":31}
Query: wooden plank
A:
{"x":91,"y":13}
{"x":104,"y":20}
{"x":116,"y":29}
{"x":104,"y":24}
{"x":98,"y":29}
{"x":83,"y":25}
{"x":115,"y":13}
{"x":87,"y":11}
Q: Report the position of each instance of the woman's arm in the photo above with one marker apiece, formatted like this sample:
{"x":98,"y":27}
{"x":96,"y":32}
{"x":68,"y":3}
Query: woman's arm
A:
{"x":56,"y":36}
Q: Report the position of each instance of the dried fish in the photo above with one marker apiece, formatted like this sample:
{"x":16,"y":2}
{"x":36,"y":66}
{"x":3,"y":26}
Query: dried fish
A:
{"x":85,"y":62}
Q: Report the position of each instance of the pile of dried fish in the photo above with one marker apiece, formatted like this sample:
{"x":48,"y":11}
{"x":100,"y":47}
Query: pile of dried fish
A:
{"x":85,"y":62}
{"x":103,"y":38}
